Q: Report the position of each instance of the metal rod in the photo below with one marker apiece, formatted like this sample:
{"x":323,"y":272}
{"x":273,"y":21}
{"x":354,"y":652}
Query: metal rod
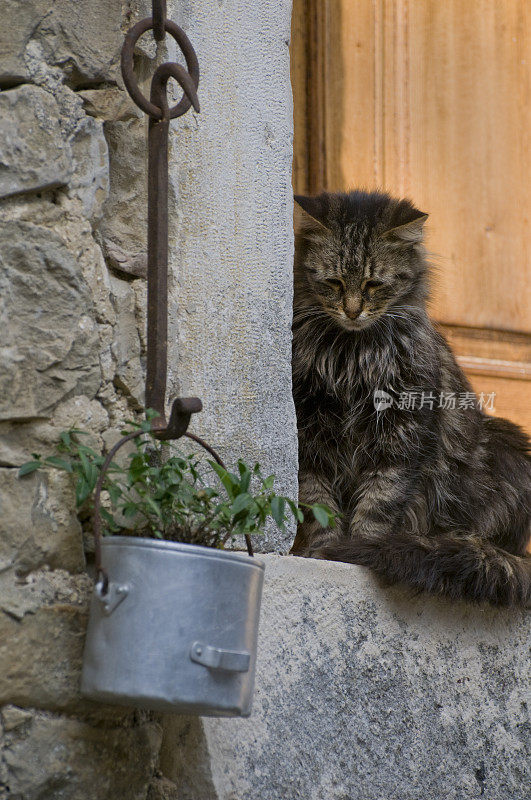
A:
{"x":157,"y":266}
{"x":157,"y":269}
{"x":159,"y":19}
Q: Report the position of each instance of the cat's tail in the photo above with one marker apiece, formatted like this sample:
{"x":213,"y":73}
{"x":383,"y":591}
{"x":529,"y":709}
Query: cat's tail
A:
{"x":456,"y":566}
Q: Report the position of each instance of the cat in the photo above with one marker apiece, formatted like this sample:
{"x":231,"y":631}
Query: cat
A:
{"x":430,"y":495}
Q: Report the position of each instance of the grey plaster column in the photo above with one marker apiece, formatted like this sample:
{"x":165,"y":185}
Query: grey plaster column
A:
{"x":231,"y":239}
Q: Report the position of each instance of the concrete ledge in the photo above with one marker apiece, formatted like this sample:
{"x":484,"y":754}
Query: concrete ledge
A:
{"x":364,"y":693}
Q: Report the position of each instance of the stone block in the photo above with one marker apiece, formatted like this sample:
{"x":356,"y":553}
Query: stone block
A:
{"x":109,"y":104}
{"x":42,"y":631}
{"x":18,"y":440}
{"x":124,"y":223}
{"x":184,"y":756}
{"x":22,"y":18}
{"x":39,"y":524}
{"x":47,"y":142}
{"x":83,"y":38}
{"x":56,"y":758}
{"x":365,"y":692}
{"x":14,"y":717}
{"x":80,"y":412}
{"x":50,"y":348}
{"x":33,"y":152}
{"x":129,"y":376}
{"x":90,"y":180}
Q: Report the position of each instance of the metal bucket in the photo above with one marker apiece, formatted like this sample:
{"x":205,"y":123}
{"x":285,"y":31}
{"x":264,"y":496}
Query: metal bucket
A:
{"x":177,"y":629}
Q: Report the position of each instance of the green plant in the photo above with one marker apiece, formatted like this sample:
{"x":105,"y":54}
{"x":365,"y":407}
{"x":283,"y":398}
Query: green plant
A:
{"x":163,"y":493}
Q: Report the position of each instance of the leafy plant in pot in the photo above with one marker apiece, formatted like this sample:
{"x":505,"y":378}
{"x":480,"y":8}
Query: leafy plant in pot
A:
{"x":174,"y":616}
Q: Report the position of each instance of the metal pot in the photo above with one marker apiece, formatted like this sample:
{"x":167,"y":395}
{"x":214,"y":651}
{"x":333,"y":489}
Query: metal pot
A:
{"x":176,"y":630}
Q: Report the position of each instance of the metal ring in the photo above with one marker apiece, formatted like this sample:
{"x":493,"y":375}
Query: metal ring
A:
{"x":132,"y":37}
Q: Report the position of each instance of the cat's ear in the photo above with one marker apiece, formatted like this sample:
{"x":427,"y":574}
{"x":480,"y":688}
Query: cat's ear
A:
{"x":410,"y":233}
{"x":316,"y":207}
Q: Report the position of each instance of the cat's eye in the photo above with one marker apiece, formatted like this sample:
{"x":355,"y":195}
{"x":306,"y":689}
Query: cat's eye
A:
{"x":373,"y":284}
{"x":335,"y":283}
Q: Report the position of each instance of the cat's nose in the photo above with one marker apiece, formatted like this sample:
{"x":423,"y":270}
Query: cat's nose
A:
{"x":352,"y":306}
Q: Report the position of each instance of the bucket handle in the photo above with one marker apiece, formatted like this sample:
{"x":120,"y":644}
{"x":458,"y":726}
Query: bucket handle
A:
{"x":218,"y":658}
{"x":102,"y":578}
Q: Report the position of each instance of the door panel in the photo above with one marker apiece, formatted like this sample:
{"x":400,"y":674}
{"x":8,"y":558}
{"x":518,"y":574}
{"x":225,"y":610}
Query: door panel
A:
{"x":432,"y":100}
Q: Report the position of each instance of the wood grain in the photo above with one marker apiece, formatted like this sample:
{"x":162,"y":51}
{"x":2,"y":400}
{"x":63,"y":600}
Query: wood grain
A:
{"x":299,"y":54}
{"x":457,"y":115}
{"x":431,"y":100}
{"x":499,"y":362}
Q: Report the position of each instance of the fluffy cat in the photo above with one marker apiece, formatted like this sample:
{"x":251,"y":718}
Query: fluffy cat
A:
{"x":432,"y":496}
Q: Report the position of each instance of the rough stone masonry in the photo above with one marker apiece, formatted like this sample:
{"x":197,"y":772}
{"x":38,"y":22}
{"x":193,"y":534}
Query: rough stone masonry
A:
{"x":72,"y":314}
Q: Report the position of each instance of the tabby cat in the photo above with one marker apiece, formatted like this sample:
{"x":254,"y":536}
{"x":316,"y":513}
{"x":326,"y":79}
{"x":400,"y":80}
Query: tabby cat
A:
{"x":431,"y":491}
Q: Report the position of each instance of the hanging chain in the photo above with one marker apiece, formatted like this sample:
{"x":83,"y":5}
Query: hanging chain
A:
{"x":160,"y":114}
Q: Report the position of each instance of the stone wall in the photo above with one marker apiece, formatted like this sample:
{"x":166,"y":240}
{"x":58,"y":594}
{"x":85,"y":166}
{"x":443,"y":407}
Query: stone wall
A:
{"x":364,"y":692}
{"x":72,"y":314}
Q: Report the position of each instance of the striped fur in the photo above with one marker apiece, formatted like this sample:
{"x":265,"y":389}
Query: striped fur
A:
{"x":438,"y":498}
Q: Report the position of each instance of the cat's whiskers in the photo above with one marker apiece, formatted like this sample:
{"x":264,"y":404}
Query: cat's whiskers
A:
{"x":309,"y":313}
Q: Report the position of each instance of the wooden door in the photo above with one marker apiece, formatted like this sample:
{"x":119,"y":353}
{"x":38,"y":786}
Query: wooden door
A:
{"x":431,"y":100}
